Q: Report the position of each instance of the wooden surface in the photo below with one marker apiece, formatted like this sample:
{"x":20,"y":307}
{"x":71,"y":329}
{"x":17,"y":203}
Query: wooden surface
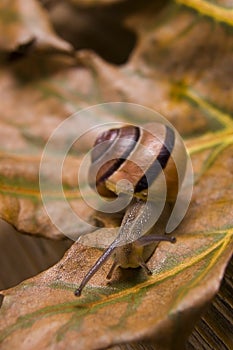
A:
{"x":215,"y":329}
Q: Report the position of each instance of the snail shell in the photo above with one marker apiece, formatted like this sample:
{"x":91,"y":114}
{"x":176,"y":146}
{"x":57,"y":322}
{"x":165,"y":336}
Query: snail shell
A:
{"x":142,"y":156}
{"x":145,"y":157}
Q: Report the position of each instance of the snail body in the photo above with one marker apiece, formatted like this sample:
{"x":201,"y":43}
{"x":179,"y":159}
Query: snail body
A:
{"x":147,"y":158}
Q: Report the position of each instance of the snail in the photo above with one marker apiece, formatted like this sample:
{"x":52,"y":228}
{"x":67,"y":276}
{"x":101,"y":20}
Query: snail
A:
{"x":152,"y":159}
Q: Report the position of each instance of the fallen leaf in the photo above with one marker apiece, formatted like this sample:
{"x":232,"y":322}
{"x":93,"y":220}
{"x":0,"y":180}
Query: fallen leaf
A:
{"x":181,"y":66}
{"x":186,"y":276}
{"x":43,"y":312}
{"x":26,"y":25}
{"x":158,"y":76}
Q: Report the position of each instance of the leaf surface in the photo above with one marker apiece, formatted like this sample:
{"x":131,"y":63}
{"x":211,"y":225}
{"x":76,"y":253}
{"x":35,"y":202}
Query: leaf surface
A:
{"x":44,"y":312}
{"x":196,"y":98}
{"x":181,"y":67}
{"x":25,"y":25}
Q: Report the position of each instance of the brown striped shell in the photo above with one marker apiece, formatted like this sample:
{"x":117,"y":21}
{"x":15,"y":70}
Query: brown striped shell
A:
{"x":145,"y":156}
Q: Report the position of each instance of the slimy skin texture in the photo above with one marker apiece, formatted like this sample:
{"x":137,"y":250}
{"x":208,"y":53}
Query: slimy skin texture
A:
{"x":143,"y":157}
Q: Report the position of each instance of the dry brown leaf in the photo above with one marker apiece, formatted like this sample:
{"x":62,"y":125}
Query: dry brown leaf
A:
{"x":196,"y":97}
{"x":43,"y":312}
{"x":182,"y":67}
{"x":25,"y":25}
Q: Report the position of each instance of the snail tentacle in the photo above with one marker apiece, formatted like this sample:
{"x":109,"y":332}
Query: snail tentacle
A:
{"x":112,"y":269}
{"x":153,"y":160}
{"x":148,"y":239}
{"x":102,"y":259}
